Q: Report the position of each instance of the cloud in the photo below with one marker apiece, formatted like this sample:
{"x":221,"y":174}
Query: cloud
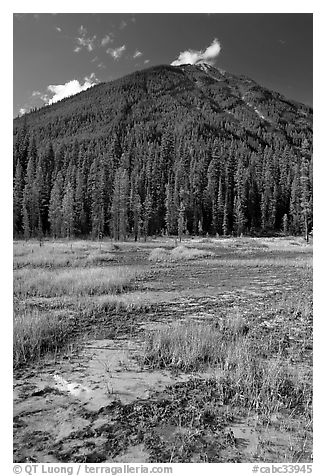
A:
{"x":101,"y":65}
{"x":82,"y":30}
{"x":107,"y":39}
{"x":146,"y":61}
{"x":84,"y":41}
{"x":116,"y":53}
{"x":58,"y":29}
{"x":194,"y":57}
{"x":123,"y":25}
{"x":22,"y":111}
{"x":137,"y":54}
{"x":40,"y":95}
{"x":70,"y":88}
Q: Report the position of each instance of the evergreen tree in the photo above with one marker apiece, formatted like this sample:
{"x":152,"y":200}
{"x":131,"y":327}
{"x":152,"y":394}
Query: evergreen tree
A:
{"x":18,"y":200}
{"x":295,"y":207}
{"x":181,"y":220}
{"x":305,"y":201}
{"x":170,"y":215}
{"x":97,"y":199}
{"x":68,"y":212}
{"x":80,"y":201}
{"x":239,"y":218}
{"x":147,"y":214}
{"x":135,"y":207}
{"x":220,"y":207}
{"x":119,"y":207}
{"x":225,"y":225}
{"x":55,"y":208}
{"x":285,"y":224}
{"x":30,"y":201}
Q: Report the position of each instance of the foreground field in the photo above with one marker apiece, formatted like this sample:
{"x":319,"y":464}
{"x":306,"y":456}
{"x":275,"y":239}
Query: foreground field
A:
{"x":147,"y":352}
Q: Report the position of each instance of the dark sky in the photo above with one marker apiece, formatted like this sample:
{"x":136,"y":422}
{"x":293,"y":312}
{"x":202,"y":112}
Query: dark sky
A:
{"x":59,"y":54}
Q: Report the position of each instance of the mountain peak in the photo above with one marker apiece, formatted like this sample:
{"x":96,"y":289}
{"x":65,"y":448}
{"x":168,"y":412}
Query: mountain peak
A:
{"x":167,"y":128}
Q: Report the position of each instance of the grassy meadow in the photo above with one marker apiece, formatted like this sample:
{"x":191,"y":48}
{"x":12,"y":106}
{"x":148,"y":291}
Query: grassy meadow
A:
{"x":235,"y":315}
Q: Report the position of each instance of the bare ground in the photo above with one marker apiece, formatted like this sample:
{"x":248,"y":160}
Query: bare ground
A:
{"x":97,"y":401}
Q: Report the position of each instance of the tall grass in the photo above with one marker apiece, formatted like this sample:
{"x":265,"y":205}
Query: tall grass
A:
{"x":180,"y":253}
{"x":183,"y":346}
{"x":256,"y":377}
{"x":68,"y":282}
{"x":61,"y":276}
{"x":36,"y":332}
{"x":58,"y":255}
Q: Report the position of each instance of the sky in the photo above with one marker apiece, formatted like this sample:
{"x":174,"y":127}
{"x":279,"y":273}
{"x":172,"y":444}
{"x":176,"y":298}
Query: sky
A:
{"x":56,"y":55}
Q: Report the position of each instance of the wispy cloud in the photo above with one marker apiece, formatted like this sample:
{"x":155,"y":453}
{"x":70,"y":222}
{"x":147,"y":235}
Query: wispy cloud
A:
{"x":43,"y":96}
{"x":106,"y":39}
{"x":201,"y":56}
{"x":84,"y":41}
{"x":56,"y":92}
{"x":123,"y":24}
{"x":146,"y":61}
{"x":101,"y":66}
{"x":137,"y":54}
{"x":116,"y":53}
{"x":58,"y":29}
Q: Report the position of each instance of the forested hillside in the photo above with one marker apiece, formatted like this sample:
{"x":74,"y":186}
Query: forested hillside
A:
{"x":188,"y":149}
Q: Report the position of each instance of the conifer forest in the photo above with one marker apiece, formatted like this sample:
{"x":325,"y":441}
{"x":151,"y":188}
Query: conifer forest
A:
{"x":168,"y":150}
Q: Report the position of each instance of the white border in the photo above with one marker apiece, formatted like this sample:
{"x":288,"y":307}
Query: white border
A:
{"x":277,"y":6}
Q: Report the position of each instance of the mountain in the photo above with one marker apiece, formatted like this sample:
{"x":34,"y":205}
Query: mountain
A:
{"x":190,"y":148}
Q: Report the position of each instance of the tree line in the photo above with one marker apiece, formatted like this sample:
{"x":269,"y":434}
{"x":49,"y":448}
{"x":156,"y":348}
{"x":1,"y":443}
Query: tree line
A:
{"x":175,"y":186}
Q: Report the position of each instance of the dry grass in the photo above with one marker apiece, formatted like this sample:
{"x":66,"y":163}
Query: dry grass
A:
{"x":35,"y":333}
{"x":62,"y":254}
{"x":235,"y":262}
{"x":159,"y":254}
{"x":180,"y":253}
{"x":252,"y":372}
{"x":183,"y":346}
{"x":76,"y":281}
{"x":100,"y":257}
{"x":59,"y":279}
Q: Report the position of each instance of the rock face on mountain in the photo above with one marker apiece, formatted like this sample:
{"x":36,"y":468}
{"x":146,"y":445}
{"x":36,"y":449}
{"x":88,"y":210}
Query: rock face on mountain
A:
{"x":187,"y":148}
